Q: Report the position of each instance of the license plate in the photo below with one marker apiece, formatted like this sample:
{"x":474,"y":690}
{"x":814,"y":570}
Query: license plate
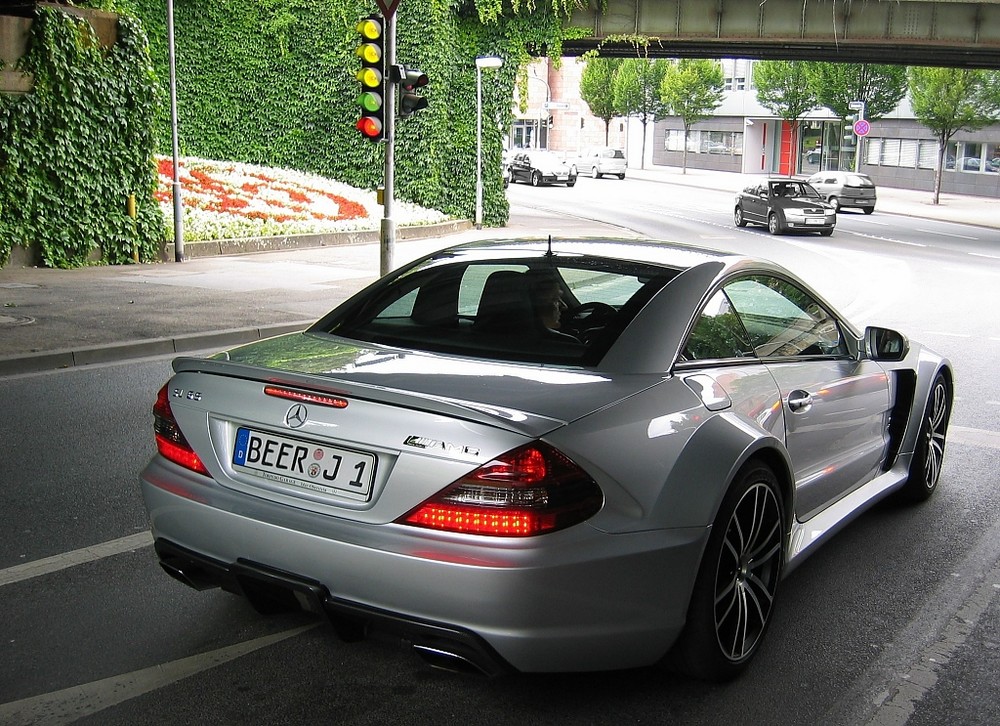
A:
{"x":562,"y":177}
{"x":303,"y":464}
{"x":815,"y":221}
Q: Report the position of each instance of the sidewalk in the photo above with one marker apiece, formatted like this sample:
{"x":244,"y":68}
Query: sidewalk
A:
{"x":53,"y":319}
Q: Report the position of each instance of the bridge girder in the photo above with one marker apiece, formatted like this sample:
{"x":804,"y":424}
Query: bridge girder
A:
{"x":960,"y":33}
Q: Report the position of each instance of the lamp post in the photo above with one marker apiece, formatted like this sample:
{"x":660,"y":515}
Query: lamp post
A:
{"x":485,"y":61}
{"x":176,"y":184}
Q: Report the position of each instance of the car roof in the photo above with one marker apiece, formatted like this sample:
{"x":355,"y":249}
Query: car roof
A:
{"x":675,"y":255}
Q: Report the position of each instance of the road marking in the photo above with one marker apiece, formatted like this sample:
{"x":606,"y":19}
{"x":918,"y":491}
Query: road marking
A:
{"x":974,"y":437}
{"x":945,"y":234}
{"x":65,"y":560}
{"x":949,"y":335}
{"x":76,"y":702}
{"x":988,"y":257}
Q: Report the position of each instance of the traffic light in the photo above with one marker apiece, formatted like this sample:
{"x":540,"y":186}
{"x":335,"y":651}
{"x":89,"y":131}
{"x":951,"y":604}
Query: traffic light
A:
{"x":410,"y":82}
{"x":849,"y":128}
{"x":372,"y":77}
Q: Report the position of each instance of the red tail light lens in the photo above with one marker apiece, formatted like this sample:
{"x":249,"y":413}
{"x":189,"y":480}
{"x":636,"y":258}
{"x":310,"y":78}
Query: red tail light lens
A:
{"x":170,"y":442}
{"x":532,"y":490}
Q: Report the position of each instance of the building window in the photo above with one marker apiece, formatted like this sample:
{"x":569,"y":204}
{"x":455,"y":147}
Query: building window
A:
{"x":927,"y":158}
{"x":729,"y":143}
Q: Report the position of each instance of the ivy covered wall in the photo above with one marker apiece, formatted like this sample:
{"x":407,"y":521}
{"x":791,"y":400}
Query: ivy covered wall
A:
{"x":270,"y":82}
{"x":74,"y":148}
{"x":273,"y":82}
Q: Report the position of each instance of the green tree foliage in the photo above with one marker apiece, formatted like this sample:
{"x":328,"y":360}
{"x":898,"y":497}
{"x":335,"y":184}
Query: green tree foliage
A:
{"x":74,"y":148}
{"x":949,"y":100}
{"x":597,"y":88}
{"x":836,"y":85}
{"x":783,"y":89}
{"x":692,"y":89}
{"x":637,"y":92}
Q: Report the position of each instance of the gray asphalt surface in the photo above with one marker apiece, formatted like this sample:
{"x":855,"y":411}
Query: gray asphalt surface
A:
{"x":52,"y":319}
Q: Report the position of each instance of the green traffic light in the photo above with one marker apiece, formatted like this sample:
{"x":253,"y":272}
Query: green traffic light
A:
{"x":370,"y":102}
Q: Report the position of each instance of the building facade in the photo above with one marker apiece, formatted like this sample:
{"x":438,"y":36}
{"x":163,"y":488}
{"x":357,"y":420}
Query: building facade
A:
{"x":744,"y":137}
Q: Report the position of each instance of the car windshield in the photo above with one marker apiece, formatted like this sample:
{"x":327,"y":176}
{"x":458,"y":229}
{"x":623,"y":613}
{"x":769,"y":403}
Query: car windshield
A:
{"x":858,"y":180}
{"x":545,"y":157}
{"x":542,"y":308}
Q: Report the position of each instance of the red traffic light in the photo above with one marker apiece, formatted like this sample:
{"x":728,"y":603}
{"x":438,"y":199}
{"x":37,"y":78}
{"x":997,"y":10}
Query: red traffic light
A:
{"x":370,"y":127}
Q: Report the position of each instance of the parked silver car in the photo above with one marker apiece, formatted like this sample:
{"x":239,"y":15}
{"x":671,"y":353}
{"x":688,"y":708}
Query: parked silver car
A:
{"x":845,"y":189}
{"x":544,"y":456}
{"x":602,"y":160}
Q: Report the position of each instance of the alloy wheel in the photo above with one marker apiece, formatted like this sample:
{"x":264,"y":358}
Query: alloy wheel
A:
{"x":748,"y":571}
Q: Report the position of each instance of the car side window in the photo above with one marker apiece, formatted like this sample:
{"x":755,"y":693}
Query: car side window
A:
{"x":718,"y":333}
{"x":783,"y":320}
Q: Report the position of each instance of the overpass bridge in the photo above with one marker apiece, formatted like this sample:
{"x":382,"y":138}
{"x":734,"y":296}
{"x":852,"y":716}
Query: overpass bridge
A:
{"x":959,"y":33}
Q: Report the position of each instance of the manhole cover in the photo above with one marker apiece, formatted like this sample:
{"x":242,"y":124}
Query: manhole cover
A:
{"x":9,"y":321}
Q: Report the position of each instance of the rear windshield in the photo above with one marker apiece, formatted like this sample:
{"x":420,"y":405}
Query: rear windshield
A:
{"x":547,"y":310}
{"x":859,"y":180}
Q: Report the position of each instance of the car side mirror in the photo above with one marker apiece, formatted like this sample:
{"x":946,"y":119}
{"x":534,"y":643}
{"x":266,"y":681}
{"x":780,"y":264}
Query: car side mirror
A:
{"x":885,"y":344}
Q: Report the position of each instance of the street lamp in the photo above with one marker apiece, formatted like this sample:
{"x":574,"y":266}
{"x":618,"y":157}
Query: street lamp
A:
{"x":484,"y":61}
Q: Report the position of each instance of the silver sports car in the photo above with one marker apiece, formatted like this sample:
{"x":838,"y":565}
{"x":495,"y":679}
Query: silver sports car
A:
{"x":573,"y":455}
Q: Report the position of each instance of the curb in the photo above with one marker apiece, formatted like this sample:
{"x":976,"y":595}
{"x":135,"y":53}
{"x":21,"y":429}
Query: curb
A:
{"x":115,"y":352}
{"x":251,"y":245}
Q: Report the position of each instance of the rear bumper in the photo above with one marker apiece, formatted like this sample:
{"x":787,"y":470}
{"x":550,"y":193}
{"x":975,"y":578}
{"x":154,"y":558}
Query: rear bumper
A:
{"x":272,"y":590}
{"x":574,"y":600}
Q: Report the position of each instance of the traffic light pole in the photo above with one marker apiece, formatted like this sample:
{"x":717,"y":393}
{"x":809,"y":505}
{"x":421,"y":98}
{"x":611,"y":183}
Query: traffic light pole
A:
{"x":387,"y":232}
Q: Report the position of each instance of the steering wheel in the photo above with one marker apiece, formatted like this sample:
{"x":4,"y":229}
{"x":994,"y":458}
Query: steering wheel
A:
{"x":583,"y":320}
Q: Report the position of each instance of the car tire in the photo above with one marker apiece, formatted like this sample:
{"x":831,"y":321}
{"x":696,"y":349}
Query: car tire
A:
{"x":868,"y":210}
{"x":925,"y":467}
{"x":594,"y":174}
{"x":738,"y":217}
{"x":774,"y":225}
{"x":536,"y":179}
{"x":571,"y":182}
{"x":622,"y":177}
{"x":826,"y":232}
{"x":835,"y":202}
{"x":735,"y":589}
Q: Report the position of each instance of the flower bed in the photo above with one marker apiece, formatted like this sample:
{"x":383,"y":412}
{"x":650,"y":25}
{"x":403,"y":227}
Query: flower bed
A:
{"x":227,"y":200}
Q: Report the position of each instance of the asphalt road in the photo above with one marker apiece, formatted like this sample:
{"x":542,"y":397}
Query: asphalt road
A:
{"x":893,"y":621}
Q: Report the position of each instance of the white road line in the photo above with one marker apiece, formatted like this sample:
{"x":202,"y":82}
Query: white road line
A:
{"x":988,"y":257}
{"x":945,"y":234}
{"x":74,"y":558}
{"x":949,"y":335}
{"x":974,"y":437}
{"x":76,"y":702}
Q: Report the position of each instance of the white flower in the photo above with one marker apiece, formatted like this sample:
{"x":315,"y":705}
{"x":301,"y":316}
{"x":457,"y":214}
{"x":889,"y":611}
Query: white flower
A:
{"x":227,"y":200}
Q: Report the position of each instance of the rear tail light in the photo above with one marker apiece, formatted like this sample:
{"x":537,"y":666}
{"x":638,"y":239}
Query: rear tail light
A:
{"x":170,"y":442}
{"x":532,"y":490}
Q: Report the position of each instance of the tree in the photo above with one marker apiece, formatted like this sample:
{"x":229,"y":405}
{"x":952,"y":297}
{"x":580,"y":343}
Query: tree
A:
{"x":597,"y":89}
{"x":692,"y":89}
{"x":637,"y":92}
{"x":783,"y":89}
{"x":836,"y":85}
{"x":949,"y":100}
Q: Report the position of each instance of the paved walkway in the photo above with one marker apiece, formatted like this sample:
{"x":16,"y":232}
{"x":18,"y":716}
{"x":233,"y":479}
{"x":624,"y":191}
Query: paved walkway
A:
{"x":53,"y":319}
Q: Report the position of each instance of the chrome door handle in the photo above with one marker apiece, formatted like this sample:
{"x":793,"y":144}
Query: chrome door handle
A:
{"x":799,"y":401}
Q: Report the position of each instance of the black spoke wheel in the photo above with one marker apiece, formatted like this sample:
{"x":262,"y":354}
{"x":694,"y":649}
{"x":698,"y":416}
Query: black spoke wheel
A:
{"x":925,"y":468}
{"x":737,"y":584}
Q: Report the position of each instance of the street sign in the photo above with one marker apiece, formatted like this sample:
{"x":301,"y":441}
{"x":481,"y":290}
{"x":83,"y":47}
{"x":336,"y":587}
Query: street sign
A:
{"x":862,"y":127}
{"x":388,"y":9}
{"x":555,"y":105}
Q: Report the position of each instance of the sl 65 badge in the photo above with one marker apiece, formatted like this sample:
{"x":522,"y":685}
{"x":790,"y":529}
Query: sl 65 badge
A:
{"x":189,"y":395}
